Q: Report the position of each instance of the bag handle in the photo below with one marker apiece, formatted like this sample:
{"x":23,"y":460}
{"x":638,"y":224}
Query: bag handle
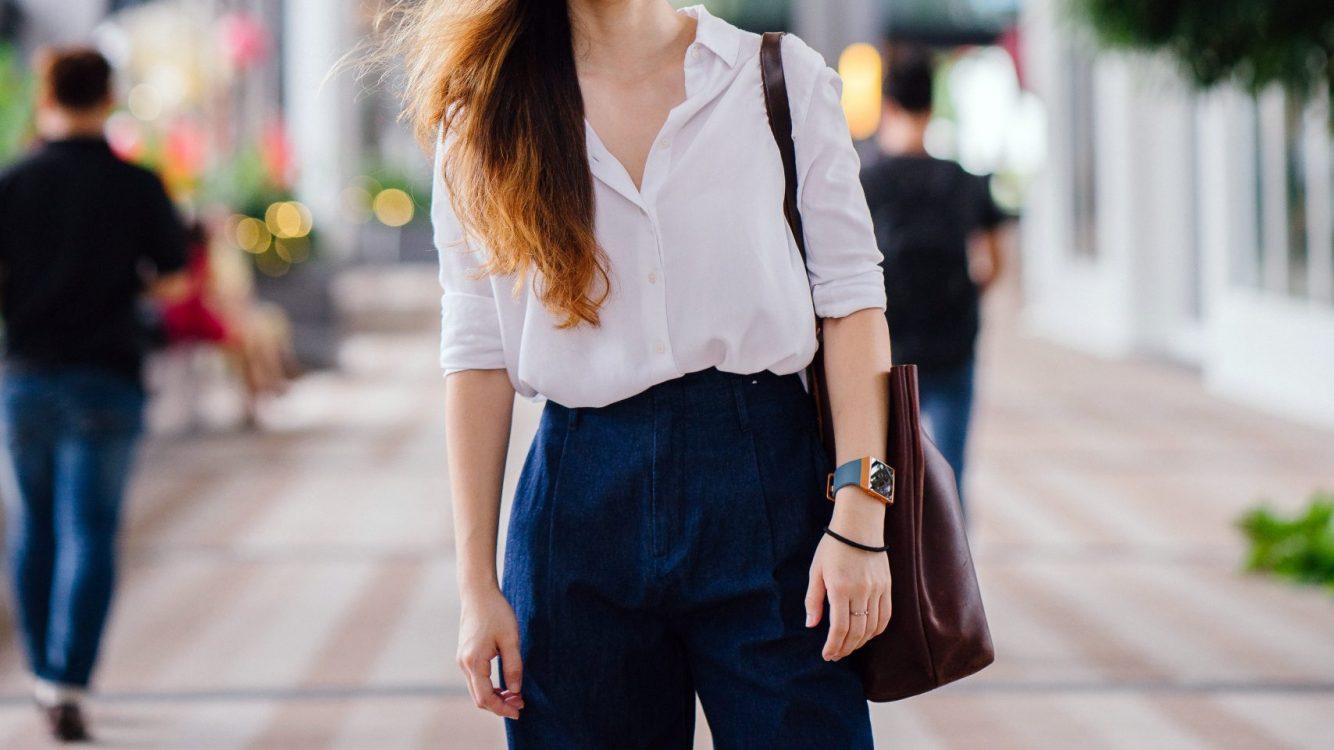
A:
{"x":779,"y":110}
{"x":780,"y":122}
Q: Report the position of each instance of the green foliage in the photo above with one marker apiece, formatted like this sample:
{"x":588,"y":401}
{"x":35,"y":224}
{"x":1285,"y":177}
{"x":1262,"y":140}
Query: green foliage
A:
{"x":1299,"y":548}
{"x":243,"y":183}
{"x":16,"y":93}
{"x":1254,"y":43}
{"x":385,"y":175}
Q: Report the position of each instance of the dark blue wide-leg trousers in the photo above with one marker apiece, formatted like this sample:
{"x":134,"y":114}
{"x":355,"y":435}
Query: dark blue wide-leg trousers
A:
{"x":659,"y":548}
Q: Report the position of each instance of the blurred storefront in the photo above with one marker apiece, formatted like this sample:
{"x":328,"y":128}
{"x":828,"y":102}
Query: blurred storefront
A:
{"x":1192,"y":226}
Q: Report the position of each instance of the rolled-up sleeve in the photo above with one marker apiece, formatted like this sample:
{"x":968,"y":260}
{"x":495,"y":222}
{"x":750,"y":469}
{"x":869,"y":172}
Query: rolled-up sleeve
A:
{"x":843,"y":260}
{"x":470,"y":333}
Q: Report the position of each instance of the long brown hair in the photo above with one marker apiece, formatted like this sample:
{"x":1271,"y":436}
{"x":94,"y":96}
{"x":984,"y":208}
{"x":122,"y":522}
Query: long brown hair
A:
{"x":500,"y":76}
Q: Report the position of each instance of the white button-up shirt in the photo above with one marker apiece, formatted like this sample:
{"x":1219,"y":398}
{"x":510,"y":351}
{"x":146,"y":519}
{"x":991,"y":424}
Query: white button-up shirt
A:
{"x":704,"y":270}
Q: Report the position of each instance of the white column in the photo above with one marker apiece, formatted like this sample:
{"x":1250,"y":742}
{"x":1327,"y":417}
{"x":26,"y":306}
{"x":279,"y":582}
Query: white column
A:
{"x":831,"y":25}
{"x":320,"y":111}
{"x":1319,"y":202}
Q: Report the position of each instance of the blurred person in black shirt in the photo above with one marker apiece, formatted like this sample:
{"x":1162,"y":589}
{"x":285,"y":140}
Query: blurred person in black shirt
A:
{"x":940,"y":233}
{"x":82,"y":234}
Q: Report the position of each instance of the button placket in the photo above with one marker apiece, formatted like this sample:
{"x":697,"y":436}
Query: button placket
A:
{"x":658,"y":341}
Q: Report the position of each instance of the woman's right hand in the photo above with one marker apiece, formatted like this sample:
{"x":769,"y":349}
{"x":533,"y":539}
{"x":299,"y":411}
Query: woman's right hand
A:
{"x":487,"y":628}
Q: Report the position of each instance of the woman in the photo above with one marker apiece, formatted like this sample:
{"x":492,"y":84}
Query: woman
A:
{"x":608,"y":213}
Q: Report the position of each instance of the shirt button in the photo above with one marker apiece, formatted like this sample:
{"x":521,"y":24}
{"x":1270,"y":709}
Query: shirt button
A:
{"x":652,"y":277}
{"x":667,"y":143}
{"x":694,"y":51}
{"x":659,"y":346}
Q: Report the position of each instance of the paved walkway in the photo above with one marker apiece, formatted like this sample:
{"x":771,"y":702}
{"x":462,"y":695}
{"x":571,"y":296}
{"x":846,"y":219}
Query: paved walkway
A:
{"x":294,"y":589}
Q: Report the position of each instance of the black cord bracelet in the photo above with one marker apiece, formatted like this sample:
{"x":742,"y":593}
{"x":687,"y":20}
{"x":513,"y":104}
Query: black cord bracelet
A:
{"x":858,"y":545}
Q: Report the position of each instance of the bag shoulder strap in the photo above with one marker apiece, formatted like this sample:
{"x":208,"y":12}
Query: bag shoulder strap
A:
{"x":780,"y":122}
{"x":779,"y":110}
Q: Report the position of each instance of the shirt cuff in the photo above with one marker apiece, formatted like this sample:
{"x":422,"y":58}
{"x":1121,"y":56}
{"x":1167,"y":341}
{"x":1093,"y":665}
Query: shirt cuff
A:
{"x":844,"y":296}
{"x":469,"y":333}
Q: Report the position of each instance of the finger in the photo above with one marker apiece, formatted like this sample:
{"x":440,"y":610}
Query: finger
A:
{"x":511,"y":664}
{"x":510,"y":699}
{"x":856,"y":627}
{"x":463,"y":663}
{"x":484,"y":694}
{"x":838,"y":626}
{"x":814,"y":598}
{"x":886,"y":611}
{"x":873,"y":619}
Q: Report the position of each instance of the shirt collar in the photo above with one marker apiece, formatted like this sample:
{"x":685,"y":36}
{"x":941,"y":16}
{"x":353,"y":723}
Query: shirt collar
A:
{"x":716,"y":34}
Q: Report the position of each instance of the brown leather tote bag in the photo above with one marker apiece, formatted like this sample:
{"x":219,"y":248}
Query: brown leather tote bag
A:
{"x":938,"y":631}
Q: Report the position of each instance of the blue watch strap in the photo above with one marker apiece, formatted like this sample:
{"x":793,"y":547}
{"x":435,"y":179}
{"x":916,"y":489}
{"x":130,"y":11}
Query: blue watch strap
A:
{"x":848,"y":473}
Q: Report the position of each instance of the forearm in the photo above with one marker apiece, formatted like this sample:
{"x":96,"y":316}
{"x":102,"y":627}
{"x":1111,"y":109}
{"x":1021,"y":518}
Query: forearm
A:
{"x":171,"y":287}
{"x":857,"y":359}
{"x":987,"y":257}
{"x":478,"y":407}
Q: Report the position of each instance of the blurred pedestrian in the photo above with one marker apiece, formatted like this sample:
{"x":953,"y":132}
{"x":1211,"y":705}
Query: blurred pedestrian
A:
{"x":81,"y":235}
{"x":941,"y":236}
{"x":217,"y":309}
{"x":608,"y":210}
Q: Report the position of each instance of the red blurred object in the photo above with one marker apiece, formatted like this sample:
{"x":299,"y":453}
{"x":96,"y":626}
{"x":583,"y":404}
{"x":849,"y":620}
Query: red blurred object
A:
{"x":186,"y":147}
{"x":1011,"y":42}
{"x":190,"y":319}
{"x":126,"y":138}
{"x":276,"y":150}
{"x":244,"y":40}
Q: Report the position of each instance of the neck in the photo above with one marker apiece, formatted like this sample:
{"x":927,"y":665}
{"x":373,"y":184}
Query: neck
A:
{"x":626,"y":38}
{"x":55,"y":125}
{"x":903,"y":135}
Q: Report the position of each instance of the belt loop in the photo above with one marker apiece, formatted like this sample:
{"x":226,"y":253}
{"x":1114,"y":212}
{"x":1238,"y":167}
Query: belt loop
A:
{"x":739,"y":396}
{"x":574,"y":417}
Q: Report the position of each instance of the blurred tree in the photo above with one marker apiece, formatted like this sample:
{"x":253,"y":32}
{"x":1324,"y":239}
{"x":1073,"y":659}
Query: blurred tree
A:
{"x":15,"y":103}
{"x":948,"y":23}
{"x":1254,"y":43}
{"x":754,"y":15}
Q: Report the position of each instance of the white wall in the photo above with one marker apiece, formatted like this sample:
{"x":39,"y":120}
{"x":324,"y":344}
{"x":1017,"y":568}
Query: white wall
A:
{"x":1176,"y":208}
{"x":321,"y":109}
{"x":1080,"y":301}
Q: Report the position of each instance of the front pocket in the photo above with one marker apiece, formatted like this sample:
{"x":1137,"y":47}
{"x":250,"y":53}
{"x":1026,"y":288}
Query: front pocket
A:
{"x":789,"y":474}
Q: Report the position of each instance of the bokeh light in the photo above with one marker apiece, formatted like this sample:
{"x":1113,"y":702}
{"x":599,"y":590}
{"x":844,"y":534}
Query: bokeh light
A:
{"x":144,"y":102}
{"x":355,"y":202}
{"x":292,"y":249}
{"x":251,"y":234}
{"x":861,"y":68}
{"x":271,"y":264}
{"x":288,"y":219}
{"x":393,"y":207}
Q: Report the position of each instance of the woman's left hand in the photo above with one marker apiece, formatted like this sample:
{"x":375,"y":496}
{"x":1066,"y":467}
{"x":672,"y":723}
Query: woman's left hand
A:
{"x":854,"y":580}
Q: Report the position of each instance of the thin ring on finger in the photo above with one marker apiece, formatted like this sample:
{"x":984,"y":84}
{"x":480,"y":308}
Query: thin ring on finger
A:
{"x":872,"y":620}
{"x":857,"y":628}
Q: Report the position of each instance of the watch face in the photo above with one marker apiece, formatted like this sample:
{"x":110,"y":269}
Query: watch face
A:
{"x":882,"y":479}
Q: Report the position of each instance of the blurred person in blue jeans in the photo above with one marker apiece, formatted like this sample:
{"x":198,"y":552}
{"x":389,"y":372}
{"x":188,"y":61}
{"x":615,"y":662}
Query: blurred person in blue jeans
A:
{"x":82,"y":234}
{"x":941,"y":235}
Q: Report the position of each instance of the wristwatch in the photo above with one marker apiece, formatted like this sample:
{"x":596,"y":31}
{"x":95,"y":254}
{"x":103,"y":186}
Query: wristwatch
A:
{"x":872,"y":475}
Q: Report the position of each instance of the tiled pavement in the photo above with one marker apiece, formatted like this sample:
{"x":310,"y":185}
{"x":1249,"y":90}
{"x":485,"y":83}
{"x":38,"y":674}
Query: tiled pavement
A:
{"x":294,"y":589}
